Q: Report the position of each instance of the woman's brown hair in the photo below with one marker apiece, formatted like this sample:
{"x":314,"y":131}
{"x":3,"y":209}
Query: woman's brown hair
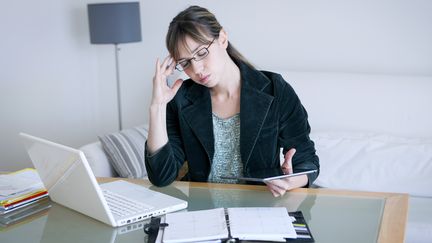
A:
{"x":198,"y":23}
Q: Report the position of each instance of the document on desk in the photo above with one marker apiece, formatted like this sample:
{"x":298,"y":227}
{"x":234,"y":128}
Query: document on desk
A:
{"x":202,"y":225}
{"x":254,"y":223}
{"x":267,"y":179}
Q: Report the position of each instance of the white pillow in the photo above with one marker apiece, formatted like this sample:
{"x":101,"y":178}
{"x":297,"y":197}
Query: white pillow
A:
{"x":374,"y":162}
{"x":125,"y":151}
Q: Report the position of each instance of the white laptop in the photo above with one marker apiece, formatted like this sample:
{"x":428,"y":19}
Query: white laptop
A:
{"x":70,"y":182}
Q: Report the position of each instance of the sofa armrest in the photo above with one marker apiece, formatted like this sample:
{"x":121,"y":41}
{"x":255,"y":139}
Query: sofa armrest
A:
{"x":98,"y":160}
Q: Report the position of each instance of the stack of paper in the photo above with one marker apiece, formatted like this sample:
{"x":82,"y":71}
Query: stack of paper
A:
{"x":19,"y":189}
{"x":24,"y":215}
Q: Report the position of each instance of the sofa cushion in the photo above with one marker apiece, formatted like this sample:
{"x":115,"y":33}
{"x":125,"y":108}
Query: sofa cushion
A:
{"x":374,"y":162}
{"x":125,"y":151}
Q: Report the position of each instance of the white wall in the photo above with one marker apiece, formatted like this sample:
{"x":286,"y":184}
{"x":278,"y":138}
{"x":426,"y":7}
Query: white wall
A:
{"x":379,"y":37}
{"x":55,"y":84}
{"x":49,"y":78}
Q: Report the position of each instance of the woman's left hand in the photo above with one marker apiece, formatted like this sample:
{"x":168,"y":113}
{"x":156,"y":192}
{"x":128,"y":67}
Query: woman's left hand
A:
{"x":280,"y":186}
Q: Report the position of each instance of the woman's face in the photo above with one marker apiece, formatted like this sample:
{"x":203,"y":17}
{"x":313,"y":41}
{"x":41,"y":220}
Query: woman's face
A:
{"x":203,"y":63}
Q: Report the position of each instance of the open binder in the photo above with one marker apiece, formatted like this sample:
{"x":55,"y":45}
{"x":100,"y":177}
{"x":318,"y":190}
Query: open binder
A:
{"x":263,"y":224}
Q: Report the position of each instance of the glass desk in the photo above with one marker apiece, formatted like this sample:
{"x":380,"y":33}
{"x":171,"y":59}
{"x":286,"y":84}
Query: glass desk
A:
{"x":332,"y":215}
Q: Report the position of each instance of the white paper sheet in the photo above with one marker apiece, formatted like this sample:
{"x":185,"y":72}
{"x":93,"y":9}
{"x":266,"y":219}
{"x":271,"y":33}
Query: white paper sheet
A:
{"x":195,"y":226}
{"x":261,"y":223}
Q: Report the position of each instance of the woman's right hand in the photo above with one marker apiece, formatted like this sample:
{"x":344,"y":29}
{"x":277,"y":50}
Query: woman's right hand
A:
{"x":162,"y":93}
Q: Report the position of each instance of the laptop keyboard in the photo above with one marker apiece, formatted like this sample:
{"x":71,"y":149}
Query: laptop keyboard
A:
{"x":123,"y":206}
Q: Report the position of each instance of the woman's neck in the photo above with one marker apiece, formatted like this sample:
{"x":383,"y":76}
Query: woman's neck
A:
{"x":229,"y":85}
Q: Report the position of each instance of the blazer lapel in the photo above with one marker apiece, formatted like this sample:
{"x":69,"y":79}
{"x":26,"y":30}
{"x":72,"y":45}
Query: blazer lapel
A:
{"x":198,"y":116}
{"x":254,"y":106}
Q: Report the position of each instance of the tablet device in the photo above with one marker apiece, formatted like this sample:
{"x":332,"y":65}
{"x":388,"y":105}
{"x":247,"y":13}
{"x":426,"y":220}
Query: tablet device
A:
{"x":267,"y":178}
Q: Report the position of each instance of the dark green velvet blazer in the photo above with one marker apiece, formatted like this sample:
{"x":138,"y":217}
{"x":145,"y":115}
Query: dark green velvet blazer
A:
{"x":271,"y":117}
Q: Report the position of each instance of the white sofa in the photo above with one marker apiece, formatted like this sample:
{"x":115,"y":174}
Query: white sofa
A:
{"x":372,"y":133}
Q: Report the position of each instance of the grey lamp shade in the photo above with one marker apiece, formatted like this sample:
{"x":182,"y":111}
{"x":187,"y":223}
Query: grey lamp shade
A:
{"x":113,"y":23}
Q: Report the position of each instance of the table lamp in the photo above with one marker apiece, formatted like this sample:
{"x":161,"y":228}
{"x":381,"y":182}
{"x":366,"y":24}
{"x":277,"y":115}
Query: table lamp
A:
{"x":115,"y":23}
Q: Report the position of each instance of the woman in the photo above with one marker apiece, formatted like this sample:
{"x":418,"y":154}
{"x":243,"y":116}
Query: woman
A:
{"x":228,"y":118}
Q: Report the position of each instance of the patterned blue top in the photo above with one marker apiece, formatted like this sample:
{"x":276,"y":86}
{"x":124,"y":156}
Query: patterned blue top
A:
{"x":227,"y":158}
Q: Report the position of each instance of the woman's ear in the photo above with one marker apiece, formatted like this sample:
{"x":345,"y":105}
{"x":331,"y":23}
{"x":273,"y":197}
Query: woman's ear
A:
{"x":223,"y":38}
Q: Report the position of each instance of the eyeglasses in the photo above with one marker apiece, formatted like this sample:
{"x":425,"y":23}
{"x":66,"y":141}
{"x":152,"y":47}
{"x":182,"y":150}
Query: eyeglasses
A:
{"x":199,"y":55}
